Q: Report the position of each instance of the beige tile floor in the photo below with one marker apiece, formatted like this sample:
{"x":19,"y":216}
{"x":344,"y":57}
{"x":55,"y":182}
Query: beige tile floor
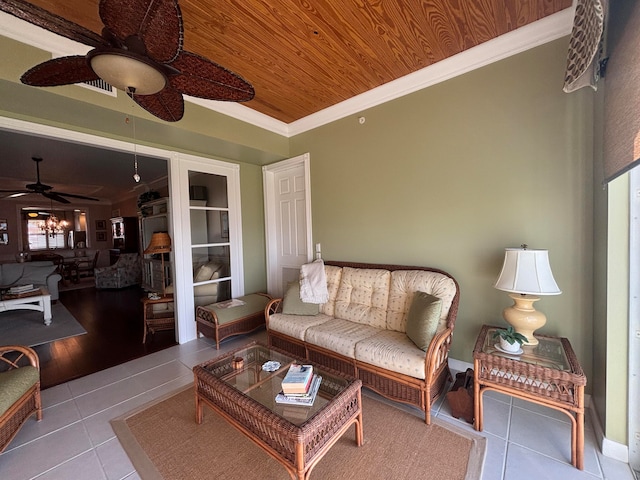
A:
{"x":75,"y":440}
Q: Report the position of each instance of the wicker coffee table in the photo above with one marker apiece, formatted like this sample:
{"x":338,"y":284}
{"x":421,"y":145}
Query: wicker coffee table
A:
{"x":297,"y":437}
{"x":548,"y":374}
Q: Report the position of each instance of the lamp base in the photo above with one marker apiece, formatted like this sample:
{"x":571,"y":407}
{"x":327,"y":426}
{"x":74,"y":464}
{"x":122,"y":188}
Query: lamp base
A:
{"x":523,"y":317}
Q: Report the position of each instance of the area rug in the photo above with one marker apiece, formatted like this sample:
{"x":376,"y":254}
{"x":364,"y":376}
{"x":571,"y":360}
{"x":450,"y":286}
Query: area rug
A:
{"x":26,"y":327}
{"x":164,"y":442}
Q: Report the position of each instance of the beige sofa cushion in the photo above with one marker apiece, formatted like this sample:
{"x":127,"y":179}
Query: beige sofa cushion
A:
{"x":363,"y":295}
{"x":392,"y":351}
{"x":333,"y":274}
{"x":340,"y":336}
{"x":403,"y":285}
{"x":295,"y":325}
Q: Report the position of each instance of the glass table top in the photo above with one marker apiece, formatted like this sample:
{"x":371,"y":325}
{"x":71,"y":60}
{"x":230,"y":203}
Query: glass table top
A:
{"x":243,"y":370}
{"x":548,"y":353}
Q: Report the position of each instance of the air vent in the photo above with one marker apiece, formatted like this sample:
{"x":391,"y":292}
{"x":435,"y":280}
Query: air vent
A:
{"x":99,"y":86}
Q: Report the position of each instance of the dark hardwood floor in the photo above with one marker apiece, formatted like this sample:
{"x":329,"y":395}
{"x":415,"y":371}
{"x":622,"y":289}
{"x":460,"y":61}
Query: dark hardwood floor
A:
{"x":113,"y":321}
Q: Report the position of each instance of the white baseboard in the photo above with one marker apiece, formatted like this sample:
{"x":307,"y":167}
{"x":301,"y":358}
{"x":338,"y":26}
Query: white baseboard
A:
{"x":609,"y":448}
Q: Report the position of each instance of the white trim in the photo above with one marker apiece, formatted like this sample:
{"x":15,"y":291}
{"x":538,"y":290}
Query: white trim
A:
{"x":633,"y":398}
{"x":183,"y":246}
{"x":609,"y":448}
{"x":524,"y":38}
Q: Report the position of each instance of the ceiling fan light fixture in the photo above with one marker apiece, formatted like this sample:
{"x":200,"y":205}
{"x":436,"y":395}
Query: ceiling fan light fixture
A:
{"x":127,"y":71}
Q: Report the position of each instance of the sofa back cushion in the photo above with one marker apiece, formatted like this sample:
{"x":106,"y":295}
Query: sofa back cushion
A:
{"x":363,"y":296}
{"x":404,"y":283}
{"x":334,"y":275}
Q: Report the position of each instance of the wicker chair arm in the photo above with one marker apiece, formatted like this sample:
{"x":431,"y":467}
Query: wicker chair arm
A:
{"x":437,"y":353}
{"x":274,"y":306}
{"x":23,"y":351}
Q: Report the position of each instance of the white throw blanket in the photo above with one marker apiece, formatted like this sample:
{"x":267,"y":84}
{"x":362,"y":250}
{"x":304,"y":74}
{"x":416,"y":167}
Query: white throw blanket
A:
{"x":313,"y":283}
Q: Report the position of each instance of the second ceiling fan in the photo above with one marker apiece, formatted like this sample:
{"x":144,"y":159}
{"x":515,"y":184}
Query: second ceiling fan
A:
{"x":46,"y":190}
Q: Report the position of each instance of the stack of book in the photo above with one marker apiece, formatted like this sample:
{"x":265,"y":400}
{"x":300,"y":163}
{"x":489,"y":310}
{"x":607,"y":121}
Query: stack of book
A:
{"x":299,"y":386}
{"x":22,"y":289}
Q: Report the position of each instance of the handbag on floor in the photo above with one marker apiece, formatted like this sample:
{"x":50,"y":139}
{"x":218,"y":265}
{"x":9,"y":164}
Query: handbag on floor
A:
{"x":460,"y":397}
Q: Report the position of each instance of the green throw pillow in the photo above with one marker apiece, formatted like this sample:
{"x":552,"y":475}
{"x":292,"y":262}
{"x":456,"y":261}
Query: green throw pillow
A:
{"x":423,"y":319}
{"x":292,"y":305}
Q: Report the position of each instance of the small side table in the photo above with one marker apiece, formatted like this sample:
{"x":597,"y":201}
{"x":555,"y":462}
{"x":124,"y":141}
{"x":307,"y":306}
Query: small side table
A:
{"x":547,"y":374}
{"x":155,"y":321}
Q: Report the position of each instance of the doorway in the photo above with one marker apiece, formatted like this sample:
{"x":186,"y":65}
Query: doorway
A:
{"x":287,"y":200}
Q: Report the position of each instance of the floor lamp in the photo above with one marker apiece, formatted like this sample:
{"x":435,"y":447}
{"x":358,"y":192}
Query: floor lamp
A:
{"x":160,"y":243}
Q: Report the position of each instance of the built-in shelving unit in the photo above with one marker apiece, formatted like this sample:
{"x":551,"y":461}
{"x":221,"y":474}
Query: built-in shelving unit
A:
{"x":154,"y":216}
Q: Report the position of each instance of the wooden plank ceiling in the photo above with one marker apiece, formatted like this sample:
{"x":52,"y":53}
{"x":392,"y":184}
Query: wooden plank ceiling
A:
{"x":303,"y":56}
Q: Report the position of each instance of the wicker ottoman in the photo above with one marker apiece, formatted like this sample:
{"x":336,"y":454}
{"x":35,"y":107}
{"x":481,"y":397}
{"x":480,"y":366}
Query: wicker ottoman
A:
{"x":220,"y":321}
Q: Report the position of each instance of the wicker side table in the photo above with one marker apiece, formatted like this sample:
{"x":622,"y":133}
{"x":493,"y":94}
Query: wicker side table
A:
{"x":547,"y":374}
{"x":156,"y":320}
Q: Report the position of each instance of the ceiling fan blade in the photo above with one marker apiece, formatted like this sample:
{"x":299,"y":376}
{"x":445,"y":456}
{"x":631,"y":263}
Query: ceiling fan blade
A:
{"x":49,"y":21}
{"x":167,"y":104}
{"x":59,"y":71}
{"x":203,"y":78}
{"x":157,"y":22}
{"x":16,"y":191}
{"x":55,"y":197}
{"x":71,"y":195}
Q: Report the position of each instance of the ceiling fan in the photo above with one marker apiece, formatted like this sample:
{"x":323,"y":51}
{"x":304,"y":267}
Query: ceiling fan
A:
{"x":139,"y":51}
{"x":46,"y":190}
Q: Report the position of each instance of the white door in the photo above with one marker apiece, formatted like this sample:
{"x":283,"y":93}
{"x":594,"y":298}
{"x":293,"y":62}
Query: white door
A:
{"x":287,"y":199}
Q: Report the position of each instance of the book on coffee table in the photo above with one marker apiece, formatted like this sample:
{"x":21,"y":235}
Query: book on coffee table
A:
{"x":305,"y":400}
{"x":8,"y":295}
{"x":21,"y":288}
{"x":298,"y":379}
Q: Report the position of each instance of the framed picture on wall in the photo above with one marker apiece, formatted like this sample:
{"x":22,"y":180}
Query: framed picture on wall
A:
{"x":3,"y":224}
{"x":4,"y":238}
{"x":101,"y":236}
{"x":101,"y":225}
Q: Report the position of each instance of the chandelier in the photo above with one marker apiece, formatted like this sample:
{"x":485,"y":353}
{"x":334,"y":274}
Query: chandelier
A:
{"x":53,"y":225}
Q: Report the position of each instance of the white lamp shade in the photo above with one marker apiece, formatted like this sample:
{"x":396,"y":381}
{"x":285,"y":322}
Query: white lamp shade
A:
{"x":527,"y":271}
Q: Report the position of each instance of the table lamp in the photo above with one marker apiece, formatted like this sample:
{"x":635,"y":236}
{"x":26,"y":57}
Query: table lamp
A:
{"x":526,"y":274}
{"x":160,"y":243}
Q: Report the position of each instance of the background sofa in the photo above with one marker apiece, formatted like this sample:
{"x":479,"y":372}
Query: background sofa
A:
{"x":40,"y":274}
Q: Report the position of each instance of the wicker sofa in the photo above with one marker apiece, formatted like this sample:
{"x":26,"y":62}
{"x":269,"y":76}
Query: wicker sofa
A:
{"x":362,"y":329}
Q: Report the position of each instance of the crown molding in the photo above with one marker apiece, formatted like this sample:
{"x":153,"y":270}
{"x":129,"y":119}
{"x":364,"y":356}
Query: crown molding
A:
{"x":524,"y":38}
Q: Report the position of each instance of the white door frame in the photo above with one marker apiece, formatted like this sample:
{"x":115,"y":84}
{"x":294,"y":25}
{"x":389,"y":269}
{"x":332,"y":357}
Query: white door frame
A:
{"x":634,"y":319}
{"x":271,"y":233}
{"x":182,"y":250}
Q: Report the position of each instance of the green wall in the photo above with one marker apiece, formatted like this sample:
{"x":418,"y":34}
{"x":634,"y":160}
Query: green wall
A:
{"x":451,"y":175}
